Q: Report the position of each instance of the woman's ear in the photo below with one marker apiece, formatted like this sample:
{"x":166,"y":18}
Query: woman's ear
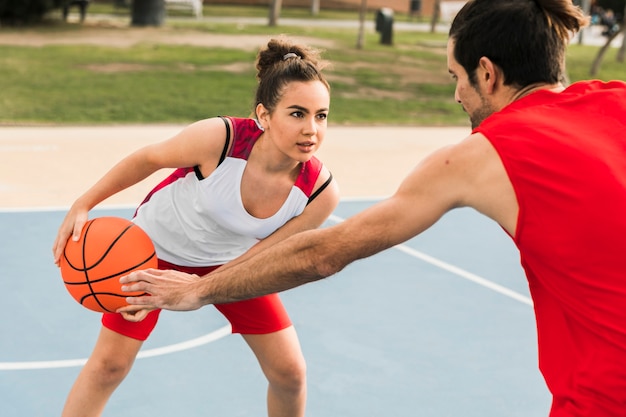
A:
{"x":262,"y":115}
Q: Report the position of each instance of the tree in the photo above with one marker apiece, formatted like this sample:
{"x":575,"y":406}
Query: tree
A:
{"x":315,"y":7}
{"x":362,"y":14}
{"x":606,"y":4}
{"x":585,"y":5}
{"x":275,"y":7}
{"x":436,"y":15}
{"x":25,"y":12}
{"x":622,"y":50}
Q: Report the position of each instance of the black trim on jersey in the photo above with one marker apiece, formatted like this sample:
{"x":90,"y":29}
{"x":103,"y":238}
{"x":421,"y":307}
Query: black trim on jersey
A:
{"x":196,"y":169}
{"x":319,"y":190}
{"x":223,"y":156}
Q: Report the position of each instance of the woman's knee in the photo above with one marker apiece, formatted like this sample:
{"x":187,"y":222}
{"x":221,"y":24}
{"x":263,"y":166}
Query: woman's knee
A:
{"x":288,"y":374}
{"x":113,"y":356}
{"x":110,"y":369}
{"x":281,"y":358}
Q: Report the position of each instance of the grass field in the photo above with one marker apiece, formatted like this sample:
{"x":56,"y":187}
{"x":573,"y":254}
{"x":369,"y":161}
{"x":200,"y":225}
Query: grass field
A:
{"x":406,"y":84}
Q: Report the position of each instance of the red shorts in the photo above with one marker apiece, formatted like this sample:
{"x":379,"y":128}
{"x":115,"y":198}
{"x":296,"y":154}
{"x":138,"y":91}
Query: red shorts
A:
{"x":260,"y":315}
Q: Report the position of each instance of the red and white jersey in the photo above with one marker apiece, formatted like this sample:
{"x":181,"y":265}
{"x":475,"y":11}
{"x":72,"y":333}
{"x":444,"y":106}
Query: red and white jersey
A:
{"x":195,"y":221}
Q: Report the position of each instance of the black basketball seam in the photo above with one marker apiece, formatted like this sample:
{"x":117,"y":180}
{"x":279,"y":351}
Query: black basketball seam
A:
{"x":87,"y":281}
{"x":95,"y":296}
{"x":87,"y":268}
{"x":119,"y":236}
{"x":114,"y":275}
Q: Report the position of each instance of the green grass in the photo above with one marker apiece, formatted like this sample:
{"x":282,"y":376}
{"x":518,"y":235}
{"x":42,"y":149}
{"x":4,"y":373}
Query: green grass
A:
{"x":406,"y":84}
{"x":579,"y":61}
{"x":62,"y":84}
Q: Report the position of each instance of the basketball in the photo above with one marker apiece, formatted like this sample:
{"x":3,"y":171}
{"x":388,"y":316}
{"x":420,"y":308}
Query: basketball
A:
{"x":109,"y":248}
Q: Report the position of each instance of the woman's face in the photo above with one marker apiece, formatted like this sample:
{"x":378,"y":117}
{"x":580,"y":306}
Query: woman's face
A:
{"x":297,"y":125}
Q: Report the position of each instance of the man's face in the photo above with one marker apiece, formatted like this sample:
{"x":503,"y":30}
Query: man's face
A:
{"x":471,"y":97}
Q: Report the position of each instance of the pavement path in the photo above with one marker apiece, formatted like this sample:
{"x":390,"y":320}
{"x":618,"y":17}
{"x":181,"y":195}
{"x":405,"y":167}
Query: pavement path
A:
{"x":48,"y":166}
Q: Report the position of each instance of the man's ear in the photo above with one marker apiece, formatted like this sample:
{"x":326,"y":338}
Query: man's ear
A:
{"x":488,"y":74}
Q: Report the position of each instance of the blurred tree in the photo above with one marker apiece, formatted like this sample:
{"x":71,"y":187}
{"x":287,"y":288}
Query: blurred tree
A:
{"x":621,"y":22}
{"x":275,"y":7}
{"x":362,"y":14}
{"x":25,"y":12}
{"x":436,"y":15}
{"x":315,"y":7}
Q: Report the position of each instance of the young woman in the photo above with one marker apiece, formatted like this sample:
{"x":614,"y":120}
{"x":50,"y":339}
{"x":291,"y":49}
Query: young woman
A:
{"x":240,"y":185}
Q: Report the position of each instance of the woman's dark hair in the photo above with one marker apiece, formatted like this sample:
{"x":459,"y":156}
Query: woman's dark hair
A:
{"x":526,"y":39}
{"x":281,"y":63}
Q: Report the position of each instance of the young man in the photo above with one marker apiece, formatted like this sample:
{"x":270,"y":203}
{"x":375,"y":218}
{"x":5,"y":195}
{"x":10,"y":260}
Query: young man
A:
{"x":547,"y":163}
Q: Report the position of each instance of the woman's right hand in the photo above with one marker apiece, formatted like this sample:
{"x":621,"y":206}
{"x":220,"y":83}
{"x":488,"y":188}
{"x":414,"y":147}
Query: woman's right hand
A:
{"x":72,"y":226}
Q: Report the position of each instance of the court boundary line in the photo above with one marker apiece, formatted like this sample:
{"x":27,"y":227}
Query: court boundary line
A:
{"x":483,"y":282}
{"x":148,"y":353}
{"x":466,"y":275}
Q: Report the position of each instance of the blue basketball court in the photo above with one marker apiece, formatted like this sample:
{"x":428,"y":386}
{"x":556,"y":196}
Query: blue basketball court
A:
{"x":440,"y":326}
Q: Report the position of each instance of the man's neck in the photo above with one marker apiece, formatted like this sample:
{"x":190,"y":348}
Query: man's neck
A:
{"x":529,"y":89}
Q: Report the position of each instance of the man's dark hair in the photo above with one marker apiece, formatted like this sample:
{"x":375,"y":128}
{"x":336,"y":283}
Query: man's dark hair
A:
{"x":526,"y":39}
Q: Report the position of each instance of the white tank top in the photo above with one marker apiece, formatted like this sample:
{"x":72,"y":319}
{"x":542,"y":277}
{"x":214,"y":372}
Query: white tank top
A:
{"x":202,"y":222}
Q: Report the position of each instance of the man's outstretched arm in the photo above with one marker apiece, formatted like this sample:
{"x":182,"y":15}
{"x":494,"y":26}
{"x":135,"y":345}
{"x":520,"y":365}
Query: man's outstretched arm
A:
{"x":300,"y":259}
{"x":452,"y":177}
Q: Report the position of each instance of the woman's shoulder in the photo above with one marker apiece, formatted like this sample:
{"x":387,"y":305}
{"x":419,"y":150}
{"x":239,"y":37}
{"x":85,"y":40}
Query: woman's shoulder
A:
{"x":245,"y":133}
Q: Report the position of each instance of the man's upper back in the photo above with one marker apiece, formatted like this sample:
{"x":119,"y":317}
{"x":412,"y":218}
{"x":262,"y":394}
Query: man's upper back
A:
{"x":565,"y":155}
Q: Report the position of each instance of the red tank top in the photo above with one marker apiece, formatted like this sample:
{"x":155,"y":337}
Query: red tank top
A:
{"x":565,"y":155}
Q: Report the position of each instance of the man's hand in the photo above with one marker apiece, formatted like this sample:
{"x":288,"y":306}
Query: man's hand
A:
{"x":169,"y":290}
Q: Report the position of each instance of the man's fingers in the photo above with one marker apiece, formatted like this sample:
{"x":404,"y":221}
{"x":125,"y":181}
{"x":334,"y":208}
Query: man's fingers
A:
{"x":141,"y":286}
{"x":130,"y":309}
{"x":139,"y":276}
{"x":164,"y":289}
{"x":139,"y":280}
{"x":137,"y":303}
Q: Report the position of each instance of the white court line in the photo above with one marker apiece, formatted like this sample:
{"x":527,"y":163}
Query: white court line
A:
{"x":457,"y":271}
{"x":465,"y":274}
{"x":69,"y":363}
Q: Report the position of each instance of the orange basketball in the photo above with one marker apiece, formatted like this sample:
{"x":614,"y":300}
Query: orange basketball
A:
{"x":109,"y":248}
